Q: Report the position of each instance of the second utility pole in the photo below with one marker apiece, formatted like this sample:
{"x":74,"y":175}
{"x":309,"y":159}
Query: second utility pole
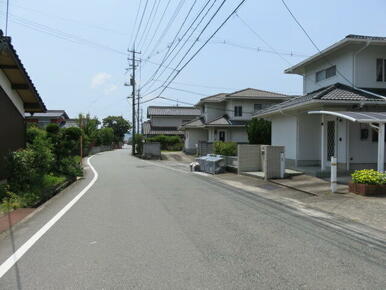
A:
{"x":132,"y":83}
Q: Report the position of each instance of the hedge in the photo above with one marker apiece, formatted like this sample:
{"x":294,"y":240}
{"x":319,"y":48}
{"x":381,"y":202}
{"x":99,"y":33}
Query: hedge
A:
{"x":225,"y":148}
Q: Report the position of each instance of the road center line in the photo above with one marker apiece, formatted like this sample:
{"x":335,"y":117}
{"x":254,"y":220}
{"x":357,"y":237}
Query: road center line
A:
{"x":12,"y":260}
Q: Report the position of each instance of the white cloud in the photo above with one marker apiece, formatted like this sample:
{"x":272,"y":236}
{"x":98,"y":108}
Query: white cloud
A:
{"x":100,"y":79}
{"x":110,"y":89}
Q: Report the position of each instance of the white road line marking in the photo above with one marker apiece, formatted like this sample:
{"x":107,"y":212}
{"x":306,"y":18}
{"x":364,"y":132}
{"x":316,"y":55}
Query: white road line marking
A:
{"x":12,"y":260}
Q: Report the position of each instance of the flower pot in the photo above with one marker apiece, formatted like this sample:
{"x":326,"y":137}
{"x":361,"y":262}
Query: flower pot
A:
{"x":366,"y":189}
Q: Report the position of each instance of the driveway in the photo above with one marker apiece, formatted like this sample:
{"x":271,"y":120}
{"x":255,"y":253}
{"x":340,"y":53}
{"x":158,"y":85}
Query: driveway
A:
{"x":143,"y":225}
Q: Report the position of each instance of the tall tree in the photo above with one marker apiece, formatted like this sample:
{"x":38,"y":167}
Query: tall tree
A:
{"x":119,"y":125}
{"x":259,"y":131}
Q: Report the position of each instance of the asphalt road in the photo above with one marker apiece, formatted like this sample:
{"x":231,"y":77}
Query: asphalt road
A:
{"x":144,"y":226}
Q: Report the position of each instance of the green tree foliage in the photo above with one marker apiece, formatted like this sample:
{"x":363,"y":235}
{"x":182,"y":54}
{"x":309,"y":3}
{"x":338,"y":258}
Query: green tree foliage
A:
{"x":139,"y":143}
{"x":104,"y":136}
{"x":171,"y":143}
{"x":119,"y":125}
{"x":259,"y":131}
{"x":225,"y":148}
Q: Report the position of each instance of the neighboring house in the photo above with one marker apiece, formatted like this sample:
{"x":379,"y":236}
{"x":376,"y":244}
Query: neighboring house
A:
{"x":17,"y":96}
{"x":224,"y":116}
{"x":344,"y":88}
{"x":59,"y":117}
{"x":71,"y":123}
{"x":165,"y":120}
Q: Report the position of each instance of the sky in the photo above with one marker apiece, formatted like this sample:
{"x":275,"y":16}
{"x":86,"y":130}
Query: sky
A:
{"x":76,"y":51}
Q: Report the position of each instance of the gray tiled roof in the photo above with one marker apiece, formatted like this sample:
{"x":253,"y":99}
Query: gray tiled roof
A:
{"x":172,"y":111}
{"x":255,"y":93}
{"x":225,"y":121}
{"x":195,"y":123}
{"x":148,"y":129}
{"x":366,"y":37}
{"x":337,"y":93}
{"x":215,"y":98}
{"x":49,"y":114}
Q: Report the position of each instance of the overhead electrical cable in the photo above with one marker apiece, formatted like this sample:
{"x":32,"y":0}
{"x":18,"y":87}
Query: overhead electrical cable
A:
{"x":140,"y":22}
{"x":151,"y":23}
{"x":145,"y":30}
{"x":158,"y":26}
{"x":169,"y":53}
{"x":191,"y":47}
{"x":168,"y":25}
{"x":198,"y":51}
{"x":313,"y":42}
{"x":135,"y":21}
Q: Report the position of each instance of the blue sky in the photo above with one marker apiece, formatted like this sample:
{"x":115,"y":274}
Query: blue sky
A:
{"x":75,"y":51}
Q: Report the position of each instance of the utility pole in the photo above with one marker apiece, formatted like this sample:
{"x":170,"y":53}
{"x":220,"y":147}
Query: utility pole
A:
{"x":138,"y":103}
{"x":133,"y":95}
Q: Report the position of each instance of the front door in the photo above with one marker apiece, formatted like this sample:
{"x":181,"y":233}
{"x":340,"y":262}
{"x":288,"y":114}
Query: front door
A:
{"x":221,"y":136}
{"x":331,"y":141}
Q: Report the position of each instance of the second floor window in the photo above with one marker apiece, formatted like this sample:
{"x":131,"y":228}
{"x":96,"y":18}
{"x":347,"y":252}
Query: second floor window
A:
{"x":238,"y":111}
{"x":381,"y":70}
{"x":257,"y":107}
{"x":325,"y":74}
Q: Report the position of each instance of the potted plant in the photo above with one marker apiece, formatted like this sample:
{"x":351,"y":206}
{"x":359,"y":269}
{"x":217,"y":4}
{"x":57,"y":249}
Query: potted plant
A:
{"x":368,"y":182}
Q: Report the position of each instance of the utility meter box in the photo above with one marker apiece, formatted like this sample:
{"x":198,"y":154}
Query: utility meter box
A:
{"x":273,"y":161}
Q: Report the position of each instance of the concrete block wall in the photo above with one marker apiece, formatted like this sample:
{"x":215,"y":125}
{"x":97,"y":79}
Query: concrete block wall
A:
{"x":271,"y":160}
{"x":152,"y":149}
{"x":249,"y":157}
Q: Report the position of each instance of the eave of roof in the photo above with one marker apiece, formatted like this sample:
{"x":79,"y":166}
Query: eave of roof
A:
{"x":349,"y":39}
{"x":14,"y":70}
{"x":316,"y":98}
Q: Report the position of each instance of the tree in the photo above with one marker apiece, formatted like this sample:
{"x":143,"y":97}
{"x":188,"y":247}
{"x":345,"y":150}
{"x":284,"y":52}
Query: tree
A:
{"x":119,"y":125}
{"x":259,"y":131}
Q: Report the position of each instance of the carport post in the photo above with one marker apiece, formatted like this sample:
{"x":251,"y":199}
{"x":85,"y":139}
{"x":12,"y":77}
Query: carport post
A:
{"x":322,"y":144}
{"x":381,"y":147}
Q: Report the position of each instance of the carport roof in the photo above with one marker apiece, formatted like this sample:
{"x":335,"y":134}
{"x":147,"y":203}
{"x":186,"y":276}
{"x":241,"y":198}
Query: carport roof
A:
{"x":359,"y":117}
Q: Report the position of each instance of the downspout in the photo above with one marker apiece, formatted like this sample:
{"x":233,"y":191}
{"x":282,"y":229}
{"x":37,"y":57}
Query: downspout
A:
{"x":354,"y":62}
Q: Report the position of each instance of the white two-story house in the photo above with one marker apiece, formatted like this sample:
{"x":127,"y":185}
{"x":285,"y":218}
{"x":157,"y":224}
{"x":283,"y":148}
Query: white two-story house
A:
{"x":166,"y":120}
{"x":224,"y":116}
{"x":340,"y":114}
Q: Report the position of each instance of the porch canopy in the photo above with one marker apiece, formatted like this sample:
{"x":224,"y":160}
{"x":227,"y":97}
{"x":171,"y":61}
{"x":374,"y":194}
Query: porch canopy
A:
{"x":376,"y":120}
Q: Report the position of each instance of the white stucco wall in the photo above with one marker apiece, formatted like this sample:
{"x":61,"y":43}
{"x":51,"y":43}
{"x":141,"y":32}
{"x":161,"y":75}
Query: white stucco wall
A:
{"x":362,"y":151}
{"x":247,"y":108}
{"x":239,"y":135}
{"x":309,"y":137}
{"x":193,"y":136}
{"x":12,"y":94}
{"x":365,"y":67}
{"x":284,"y":133}
{"x":344,"y":64}
{"x":213,"y":111}
{"x":169,"y":121}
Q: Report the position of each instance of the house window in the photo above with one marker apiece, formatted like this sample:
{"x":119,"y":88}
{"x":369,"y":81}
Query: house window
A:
{"x":325,"y":74}
{"x":257,"y":107}
{"x":381,"y":70}
{"x":238,"y":111}
{"x":364,"y":132}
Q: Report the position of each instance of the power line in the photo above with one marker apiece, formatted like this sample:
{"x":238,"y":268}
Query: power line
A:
{"x":168,"y":53}
{"x":196,"y":53}
{"x":6,"y":19}
{"x":152,"y":22}
{"x":261,"y":38}
{"x":169,"y":24}
{"x":136,"y":19}
{"x":191,"y":47}
{"x":145,"y":31}
{"x":313,"y":43}
{"x":140,"y":22}
{"x":158,"y":25}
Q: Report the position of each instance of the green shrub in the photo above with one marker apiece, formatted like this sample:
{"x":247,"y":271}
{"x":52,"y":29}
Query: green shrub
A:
{"x":104,"y":136}
{"x":43,"y":156}
{"x":33,"y":132}
{"x":171,"y":143}
{"x":52,"y":129}
{"x":369,"y":176}
{"x":225,"y":148}
{"x":21,"y":170}
{"x":70,"y":166}
{"x":259,"y":131}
